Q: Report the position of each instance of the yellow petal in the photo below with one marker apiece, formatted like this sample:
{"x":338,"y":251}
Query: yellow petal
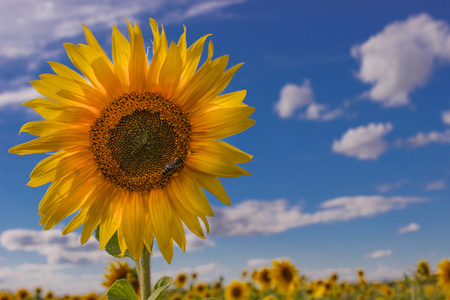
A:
{"x":96,"y":209}
{"x":212,"y":185}
{"x":190,"y":193}
{"x":167,"y":252}
{"x":76,"y":221}
{"x":214,"y":166}
{"x":64,"y":71}
{"x":67,"y":114}
{"x":161,"y":217}
{"x":201,"y":83}
{"x":57,"y":141}
{"x":138,"y":59}
{"x":231,"y":99}
{"x":112,"y":217}
{"x":169,"y":76}
{"x":132,"y":225}
{"x":121,"y":58}
{"x":220,"y":123}
{"x":189,"y":219}
{"x":221,"y":150}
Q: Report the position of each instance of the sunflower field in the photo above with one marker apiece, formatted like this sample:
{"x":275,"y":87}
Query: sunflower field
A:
{"x":281,"y":281}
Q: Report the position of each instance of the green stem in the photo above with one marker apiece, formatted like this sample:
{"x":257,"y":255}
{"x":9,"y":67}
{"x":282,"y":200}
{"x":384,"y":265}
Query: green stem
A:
{"x":144,"y":276}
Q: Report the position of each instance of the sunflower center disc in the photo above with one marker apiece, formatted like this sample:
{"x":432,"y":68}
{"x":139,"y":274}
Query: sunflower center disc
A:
{"x":140,"y":140}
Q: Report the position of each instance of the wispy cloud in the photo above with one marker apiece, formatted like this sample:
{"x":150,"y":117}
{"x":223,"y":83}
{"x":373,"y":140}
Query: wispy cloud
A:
{"x":19,"y":96}
{"x":57,"y":278}
{"x":379,"y":254}
{"x":255,"y":217}
{"x":258,"y":262}
{"x":422,"y":139}
{"x":411,"y":227}
{"x":33,"y":32}
{"x":363,"y":142}
{"x":298,"y":100}
{"x":436,"y":185}
{"x":57,"y":248}
{"x":400,"y":58}
{"x":389,"y":186}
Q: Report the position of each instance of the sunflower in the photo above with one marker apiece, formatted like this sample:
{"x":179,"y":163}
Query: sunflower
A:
{"x":180,"y":280}
{"x":49,"y":296}
{"x":90,"y":296}
{"x":262,"y":276}
{"x":133,"y":143}
{"x":443,"y":274}
{"x":22,"y":294}
{"x":199,"y":288}
{"x":122,"y":271}
{"x":283,"y":274}
{"x":236,"y":290}
{"x":423,"y":269}
{"x":6,"y":296}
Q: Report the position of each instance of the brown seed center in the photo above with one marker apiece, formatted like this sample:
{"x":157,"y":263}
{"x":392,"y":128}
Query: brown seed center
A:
{"x":140,"y":141}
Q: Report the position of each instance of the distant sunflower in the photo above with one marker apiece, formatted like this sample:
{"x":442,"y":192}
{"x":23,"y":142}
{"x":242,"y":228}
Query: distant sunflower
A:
{"x":134,"y":143}
{"x":283,"y":274}
{"x":423,"y":269}
{"x":443,"y":274}
{"x":6,"y":296}
{"x":121,"y":271}
{"x":180,"y":280}
{"x":22,"y":294}
{"x":199,"y":288}
{"x":236,"y":290}
{"x":263,"y":277}
{"x":90,"y":296}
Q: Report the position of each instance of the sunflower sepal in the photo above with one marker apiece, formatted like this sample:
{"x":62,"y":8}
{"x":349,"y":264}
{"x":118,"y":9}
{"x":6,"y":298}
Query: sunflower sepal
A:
{"x":112,"y":247}
{"x":121,"y":289}
{"x":160,"y":287}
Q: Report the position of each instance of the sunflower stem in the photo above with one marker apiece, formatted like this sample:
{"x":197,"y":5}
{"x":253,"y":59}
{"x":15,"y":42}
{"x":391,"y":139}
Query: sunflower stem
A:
{"x":145,"y":282}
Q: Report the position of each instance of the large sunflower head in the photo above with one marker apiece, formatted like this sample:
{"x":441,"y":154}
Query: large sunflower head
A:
{"x":133,"y":141}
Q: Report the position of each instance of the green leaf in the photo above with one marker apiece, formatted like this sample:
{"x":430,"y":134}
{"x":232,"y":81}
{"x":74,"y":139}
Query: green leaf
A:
{"x":160,"y":287}
{"x":121,"y":290}
{"x":112,"y":247}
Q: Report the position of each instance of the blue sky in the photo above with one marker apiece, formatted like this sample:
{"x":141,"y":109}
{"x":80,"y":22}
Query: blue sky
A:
{"x":351,"y":163}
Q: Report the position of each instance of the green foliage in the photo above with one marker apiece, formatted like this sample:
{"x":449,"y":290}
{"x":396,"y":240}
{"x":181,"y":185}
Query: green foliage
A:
{"x":121,"y":290}
{"x":112,"y":247}
{"x":160,"y":288}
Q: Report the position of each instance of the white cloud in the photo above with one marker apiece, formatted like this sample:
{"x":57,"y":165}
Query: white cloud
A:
{"x":401,"y":57}
{"x":385,"y":273}
{"x":363,"y":142}
{"x":27,"y":27}
{"x":422,"y":139}
{"x":344,"y":273}
{"x":57,"y":278}
{"x":411,"y":227}
{"x":446,"y":117}
{"x":257,"y":262}
{"x":293,"y":98}
{"x":379,"y":254}
{"x":436,"y":185}
{"x":388,"y":186}
{"x":255,"y":217}
{"x":205,"y":272}
{"x":58,"y":248}
{"x":194,"y":243}
{"x":18,"y":96}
